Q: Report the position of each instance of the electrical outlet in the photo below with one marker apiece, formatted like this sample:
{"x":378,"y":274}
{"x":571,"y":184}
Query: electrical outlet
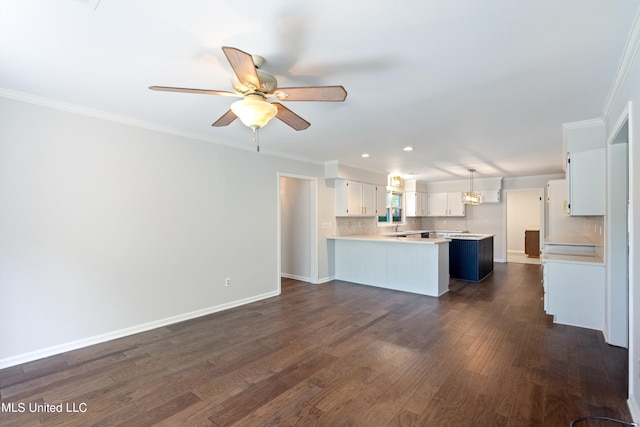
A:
{"x":227,"y":281}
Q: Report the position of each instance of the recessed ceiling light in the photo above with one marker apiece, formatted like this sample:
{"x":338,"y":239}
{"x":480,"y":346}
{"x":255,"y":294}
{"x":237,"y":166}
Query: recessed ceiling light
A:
{"x":408,"y":148}
{"x":365,"y":155}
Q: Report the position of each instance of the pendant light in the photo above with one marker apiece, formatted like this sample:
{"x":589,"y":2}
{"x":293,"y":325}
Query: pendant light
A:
{"x":471,"y":198}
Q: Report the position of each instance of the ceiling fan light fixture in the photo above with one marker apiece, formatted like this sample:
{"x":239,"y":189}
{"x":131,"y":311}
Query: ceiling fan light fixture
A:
{"x":254,"y":113}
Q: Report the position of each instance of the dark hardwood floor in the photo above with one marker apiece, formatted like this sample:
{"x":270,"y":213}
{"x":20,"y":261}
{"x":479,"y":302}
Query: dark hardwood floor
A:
{"x":340,"y":354}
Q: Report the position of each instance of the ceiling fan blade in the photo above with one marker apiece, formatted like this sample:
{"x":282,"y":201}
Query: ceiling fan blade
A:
{"x":226,"y":118}
{"x":311,"y":93}
{"x":188,"y":90}
{"x":291,"y":118}
{"x":243,"y":66}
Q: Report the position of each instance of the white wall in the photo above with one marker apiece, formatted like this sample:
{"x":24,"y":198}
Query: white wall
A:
{"x":107,"y":229}
{"x":625,"y":90}
{"x":523,"y":213}
{"x":295,"y":218}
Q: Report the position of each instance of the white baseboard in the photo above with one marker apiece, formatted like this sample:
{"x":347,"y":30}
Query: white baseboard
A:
{"x":296,"y":277}
{"x":634,"y":408}
{"x":308,"y":279}
{"x":85,"y":342}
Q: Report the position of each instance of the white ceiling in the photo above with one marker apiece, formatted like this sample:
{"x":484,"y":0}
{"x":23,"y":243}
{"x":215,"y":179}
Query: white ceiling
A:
{"x":468,"y":83}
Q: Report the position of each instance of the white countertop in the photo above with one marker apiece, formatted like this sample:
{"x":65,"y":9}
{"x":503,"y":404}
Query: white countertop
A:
{"x":575,"y":259}
{"x":470,"y":236}
{"x":568,"y":240}
{"x":414,"y":239}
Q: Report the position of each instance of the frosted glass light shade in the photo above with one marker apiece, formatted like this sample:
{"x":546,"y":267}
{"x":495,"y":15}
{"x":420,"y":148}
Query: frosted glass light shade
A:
{"x":396,"y":181}
{"x":254,"y":113}
{"x":471,"y":198}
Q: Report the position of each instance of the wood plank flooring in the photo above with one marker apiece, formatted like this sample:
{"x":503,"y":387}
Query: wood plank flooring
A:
{"x":339,"y":354}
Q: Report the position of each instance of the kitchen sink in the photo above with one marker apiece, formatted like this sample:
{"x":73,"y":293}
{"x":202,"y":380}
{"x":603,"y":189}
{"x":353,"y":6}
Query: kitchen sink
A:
{"x":403,"y":233}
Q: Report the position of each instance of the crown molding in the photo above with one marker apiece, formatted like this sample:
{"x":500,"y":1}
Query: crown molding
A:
{"x":583,"y":124}
{"x":98,"y":114}
{"x":624,"y":67}
{"x":103,"y":115}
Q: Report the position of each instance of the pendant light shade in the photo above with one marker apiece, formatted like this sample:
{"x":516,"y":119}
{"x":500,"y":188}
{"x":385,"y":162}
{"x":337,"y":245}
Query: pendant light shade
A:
{"x":396,"y":181}
{"x":471,"y":198}
{"x":254,"y":113}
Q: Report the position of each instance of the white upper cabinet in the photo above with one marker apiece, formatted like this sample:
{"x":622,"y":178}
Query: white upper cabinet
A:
{"x":356,"y":199}
{"x":437,"y":204}
{"x":586,"y":178}
{"x":381,"y":200}
{"x":369,"y":199}
{"x":415,"y":203}
{"x":445,"y":204}
{"x":492,"y":196}
{"x":586,"y":167}
{"x":454,"y":202}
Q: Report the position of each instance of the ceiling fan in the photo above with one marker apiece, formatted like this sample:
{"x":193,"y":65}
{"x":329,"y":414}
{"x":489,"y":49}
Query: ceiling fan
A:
{"x":257,"y":87}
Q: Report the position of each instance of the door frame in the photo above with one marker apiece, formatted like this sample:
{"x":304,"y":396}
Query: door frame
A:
{"x":506,"y":217}
{"x":313,"y":228}
{"x":614,"y":234}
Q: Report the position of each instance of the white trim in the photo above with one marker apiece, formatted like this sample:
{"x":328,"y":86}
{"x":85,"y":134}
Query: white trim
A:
{"x":634,"y":409}
{"x":325,"y":280}
{"x":624,"y":118}
{"x":296,"y":277}
{"x":634,"y":375}
{"x":85,"y":342}
{"x":583,"y":124}
{"x":103,"y":115}
{"x":313,"y":224}
{"x":613,"y":234}
{"x":505,"y":192}
{"x":624,"y":67}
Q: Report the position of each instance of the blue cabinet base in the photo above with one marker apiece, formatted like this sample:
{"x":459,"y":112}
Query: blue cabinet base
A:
{"x":471,"y":259}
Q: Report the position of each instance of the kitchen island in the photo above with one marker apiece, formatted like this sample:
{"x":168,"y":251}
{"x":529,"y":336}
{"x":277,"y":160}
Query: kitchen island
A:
{"x":410,"y":264}
{"x":471,"y":256}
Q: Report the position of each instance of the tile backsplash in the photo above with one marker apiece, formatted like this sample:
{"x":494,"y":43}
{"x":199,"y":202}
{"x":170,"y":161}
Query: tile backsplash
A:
{"x":594,"y":230}
{"x":444,"y":223}
{"x":350,"y":226}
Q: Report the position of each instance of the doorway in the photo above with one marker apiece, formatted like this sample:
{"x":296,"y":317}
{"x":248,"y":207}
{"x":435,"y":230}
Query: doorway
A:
{"x":524,"y":217}
{"x":297,"y":234}
{"x":617,"y":236}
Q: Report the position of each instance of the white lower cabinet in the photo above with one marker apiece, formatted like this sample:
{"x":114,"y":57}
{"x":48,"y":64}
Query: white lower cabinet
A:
{"x":574,"y":293}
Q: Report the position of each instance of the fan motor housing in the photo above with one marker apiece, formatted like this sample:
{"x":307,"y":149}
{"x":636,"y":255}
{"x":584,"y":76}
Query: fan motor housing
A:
{"x":268,"y":84}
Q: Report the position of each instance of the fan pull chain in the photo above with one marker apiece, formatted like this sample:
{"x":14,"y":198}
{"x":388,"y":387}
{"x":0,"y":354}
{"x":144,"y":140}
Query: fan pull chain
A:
{"x":255,"y":138}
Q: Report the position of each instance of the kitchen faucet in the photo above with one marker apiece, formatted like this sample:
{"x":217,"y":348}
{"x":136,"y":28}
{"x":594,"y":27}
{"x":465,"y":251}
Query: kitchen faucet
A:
{"x":397,"y":225}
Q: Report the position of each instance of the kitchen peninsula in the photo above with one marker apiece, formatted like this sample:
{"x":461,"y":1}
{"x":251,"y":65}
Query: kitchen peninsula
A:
{"x":410,"y":264}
